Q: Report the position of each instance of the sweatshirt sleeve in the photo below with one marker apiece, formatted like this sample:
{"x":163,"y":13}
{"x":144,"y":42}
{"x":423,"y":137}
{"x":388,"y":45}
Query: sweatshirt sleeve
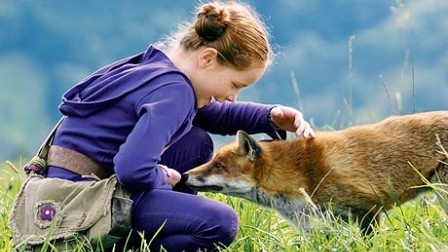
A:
{"x":162,"y":113}
{"x":226,"y":118}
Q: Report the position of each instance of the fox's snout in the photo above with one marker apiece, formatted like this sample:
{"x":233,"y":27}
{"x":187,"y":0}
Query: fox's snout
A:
{"x":199,"y":183}
{"x":183,"y":178}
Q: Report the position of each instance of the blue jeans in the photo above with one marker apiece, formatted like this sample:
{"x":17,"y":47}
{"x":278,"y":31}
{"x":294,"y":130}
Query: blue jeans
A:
{"x":186,"y":221}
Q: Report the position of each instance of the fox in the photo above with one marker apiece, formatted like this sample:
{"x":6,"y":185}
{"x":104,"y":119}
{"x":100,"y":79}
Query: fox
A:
{"x":355,"y":173}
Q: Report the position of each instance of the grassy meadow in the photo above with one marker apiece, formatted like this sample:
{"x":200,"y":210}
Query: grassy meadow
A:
{"x":420,"y":225}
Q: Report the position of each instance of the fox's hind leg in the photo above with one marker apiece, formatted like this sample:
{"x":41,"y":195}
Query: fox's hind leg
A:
{"x":365,"y":219}
{"x":440,"y":178}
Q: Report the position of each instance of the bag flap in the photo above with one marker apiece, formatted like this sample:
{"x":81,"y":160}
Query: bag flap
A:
{"x":52,"y":208}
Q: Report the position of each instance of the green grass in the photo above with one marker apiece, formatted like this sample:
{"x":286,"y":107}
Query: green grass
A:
{"x":420,"y":225}
{"x":10,"y":182}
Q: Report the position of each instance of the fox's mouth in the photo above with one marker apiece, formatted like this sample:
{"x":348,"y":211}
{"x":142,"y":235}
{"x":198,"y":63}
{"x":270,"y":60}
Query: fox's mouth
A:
{"x":197,"y":184}
{"x":206,"y":188}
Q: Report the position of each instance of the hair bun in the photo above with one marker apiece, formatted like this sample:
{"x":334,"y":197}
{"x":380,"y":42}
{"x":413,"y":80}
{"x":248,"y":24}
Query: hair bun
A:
{"x":211,"y":22}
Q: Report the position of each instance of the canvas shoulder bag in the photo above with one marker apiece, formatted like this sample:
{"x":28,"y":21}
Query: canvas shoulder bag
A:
{"x":64,"y":215}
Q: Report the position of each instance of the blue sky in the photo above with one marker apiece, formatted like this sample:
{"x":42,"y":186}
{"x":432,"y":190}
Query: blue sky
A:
{"x":401,"y":48}
{"x":353,"y":61}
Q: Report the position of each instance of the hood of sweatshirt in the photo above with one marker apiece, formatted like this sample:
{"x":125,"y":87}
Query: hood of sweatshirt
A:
{"x":103,"y":87}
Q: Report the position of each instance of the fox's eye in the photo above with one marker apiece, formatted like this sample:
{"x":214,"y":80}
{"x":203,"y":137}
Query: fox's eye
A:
{"x":218,"y":166}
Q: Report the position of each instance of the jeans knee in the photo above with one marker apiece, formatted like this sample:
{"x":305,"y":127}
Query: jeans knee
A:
{"x":225,"y":227}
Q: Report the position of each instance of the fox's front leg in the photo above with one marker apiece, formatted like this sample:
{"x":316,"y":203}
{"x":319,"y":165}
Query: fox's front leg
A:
{"x":297,"y":212}
{"x":300,"y":219}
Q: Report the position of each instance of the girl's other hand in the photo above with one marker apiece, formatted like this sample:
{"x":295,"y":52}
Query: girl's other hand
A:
{"x":290,"y":119}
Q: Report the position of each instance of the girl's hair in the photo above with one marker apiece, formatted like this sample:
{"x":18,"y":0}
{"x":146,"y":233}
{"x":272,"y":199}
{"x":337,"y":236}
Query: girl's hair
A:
{"x":233,"y":29}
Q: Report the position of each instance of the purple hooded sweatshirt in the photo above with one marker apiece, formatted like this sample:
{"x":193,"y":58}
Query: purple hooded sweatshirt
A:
{"x":125,"y":114}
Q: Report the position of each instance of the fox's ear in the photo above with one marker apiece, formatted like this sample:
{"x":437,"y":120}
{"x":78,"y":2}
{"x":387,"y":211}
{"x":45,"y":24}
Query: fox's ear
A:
{"x":247,"y":145}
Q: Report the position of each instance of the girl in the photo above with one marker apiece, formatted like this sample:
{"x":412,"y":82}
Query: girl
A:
{"x":146,"y":117}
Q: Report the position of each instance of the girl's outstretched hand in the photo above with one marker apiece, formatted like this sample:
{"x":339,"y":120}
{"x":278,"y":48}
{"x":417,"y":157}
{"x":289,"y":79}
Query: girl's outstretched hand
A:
{"x":290,"y":119}
{"x":173,"y":176}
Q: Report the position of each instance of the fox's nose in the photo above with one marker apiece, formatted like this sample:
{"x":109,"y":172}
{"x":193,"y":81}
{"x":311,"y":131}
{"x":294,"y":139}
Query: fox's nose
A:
{"x":183,"y":178}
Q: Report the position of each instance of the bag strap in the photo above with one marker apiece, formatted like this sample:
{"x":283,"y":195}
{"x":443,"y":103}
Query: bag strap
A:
{"x":43,"y":150}
{"x":38,"y":164}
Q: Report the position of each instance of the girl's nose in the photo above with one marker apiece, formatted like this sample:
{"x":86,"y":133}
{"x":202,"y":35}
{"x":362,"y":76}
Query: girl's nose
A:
{"x":231,"y":98}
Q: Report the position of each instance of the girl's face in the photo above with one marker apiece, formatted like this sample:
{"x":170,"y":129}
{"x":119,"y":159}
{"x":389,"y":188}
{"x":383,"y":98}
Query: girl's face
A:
{"x":213,"y":81}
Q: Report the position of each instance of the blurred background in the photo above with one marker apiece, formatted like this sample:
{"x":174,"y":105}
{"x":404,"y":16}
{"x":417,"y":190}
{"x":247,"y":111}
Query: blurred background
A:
{"x":341,"y":62}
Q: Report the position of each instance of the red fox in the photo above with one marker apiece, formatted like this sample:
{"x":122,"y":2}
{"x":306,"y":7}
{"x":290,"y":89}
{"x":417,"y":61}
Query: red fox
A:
{"x":357,"y":171}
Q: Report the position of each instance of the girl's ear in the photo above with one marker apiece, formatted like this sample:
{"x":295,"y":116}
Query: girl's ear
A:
{"x":207,"y":57}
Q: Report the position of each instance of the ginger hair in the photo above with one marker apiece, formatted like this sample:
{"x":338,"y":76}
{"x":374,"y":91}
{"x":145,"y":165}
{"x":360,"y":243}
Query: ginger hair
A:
{"x":233,"y":29}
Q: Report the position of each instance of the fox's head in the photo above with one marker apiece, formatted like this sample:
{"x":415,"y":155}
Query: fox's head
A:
{"x":232,"y":169}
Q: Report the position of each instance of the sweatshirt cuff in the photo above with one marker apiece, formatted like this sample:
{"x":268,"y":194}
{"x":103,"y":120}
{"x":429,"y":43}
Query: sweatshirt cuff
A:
{"x":163,"y":182}
{"x":275,"y":132}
